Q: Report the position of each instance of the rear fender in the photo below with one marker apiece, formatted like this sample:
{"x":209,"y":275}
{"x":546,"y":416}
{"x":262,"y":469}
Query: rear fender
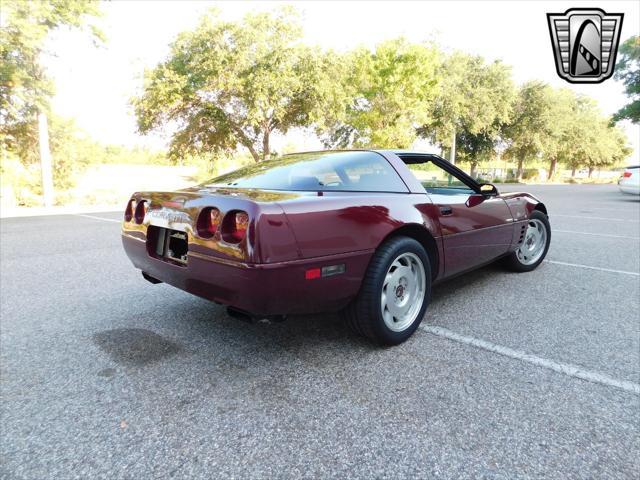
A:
{"x":338,"y":224}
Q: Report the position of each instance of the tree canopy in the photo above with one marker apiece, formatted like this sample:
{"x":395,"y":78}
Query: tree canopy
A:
{"x":25,"y":87}
{"x":474,"y":99}
{"x":230,"y":84}
{"x":560,"y":126}
{"x":227,"y":85}
{"x":387,"y":92}
{"x":474,"y":103}
{"x":628,"y":71}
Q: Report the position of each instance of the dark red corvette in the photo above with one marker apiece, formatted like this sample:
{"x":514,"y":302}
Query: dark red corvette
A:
{"x":354,"y":231}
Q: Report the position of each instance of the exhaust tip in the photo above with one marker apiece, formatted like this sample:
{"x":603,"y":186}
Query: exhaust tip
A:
{"x":151,"y":279}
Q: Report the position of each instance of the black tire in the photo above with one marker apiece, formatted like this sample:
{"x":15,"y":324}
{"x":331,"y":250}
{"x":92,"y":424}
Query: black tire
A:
{"x":513,"y":261}
{"x":364,"y":314}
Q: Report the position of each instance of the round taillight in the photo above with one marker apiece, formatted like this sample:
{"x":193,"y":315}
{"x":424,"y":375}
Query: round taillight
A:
{"x":141,"y":211}
{"x":235,"y":226}
{"x":128,"y":212}
{"x":208,"y":222}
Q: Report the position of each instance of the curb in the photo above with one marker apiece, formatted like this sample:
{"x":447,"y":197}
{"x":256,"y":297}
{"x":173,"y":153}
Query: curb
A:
{"x":61,"y":210}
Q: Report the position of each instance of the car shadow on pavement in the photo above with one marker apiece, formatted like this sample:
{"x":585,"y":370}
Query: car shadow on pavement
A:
{"x":330,"y":328}
{"x":456,"y":285}
{"x":192,"y":343}
{"x":304,"y":331}
{"x":184,"y":326}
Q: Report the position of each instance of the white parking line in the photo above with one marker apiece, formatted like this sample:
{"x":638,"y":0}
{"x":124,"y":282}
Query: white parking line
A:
{"x":595,"y":234}
{"x":578,"y":265}
{"x":596,"y":218}
{"x":564,"y":368}
{"x":98,"y":218}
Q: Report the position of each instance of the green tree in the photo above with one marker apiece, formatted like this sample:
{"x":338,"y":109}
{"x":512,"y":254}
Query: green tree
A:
{"x":628,"y":71}
{"x":609,"y":146}
{"x":561,"y":113}
{"x":590,"y":140}
{"x":473,"y":148}
{"x":25,"y":88}
{"x":229,"y":84}
{"x":474,"y":102}
{"x":619,"y":145}
{"x":578,"y":138}
{"x":528,"y":132}
{"x":387,"y":95}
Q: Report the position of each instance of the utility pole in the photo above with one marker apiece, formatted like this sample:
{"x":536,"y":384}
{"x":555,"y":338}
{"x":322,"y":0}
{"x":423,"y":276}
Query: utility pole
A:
{"x":45,"y":160}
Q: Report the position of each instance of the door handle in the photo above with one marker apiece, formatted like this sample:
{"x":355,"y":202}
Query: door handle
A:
{"x":446,"y":210}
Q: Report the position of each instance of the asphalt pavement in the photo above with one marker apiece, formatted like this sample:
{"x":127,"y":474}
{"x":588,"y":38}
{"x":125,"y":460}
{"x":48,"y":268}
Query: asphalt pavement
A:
{"x":104,"y":375}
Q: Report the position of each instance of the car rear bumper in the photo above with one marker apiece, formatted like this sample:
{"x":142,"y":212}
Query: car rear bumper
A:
{"x":259,"y":289}
{"x":628,"y":187}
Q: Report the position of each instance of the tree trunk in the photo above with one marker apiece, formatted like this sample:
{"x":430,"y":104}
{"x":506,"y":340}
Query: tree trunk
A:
{"x":573,"y":172}
{"x":253,"y":152}
{"x":552,"y":168}
{"x":590,"y":171}
{"x":474,"y":170}
{"x":45,"y":160}
{"x":246,"y":141}
{"x":520,"y":171}
{"x":266,"y":153}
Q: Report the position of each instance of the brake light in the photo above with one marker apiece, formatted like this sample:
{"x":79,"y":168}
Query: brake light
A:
{"x":234,"y":226}
{"x":128,"y":212}
{"x":627,"y":174}
{"x":241,"y":225}
{"x":208,"y":222}
{"x":141,"y":211}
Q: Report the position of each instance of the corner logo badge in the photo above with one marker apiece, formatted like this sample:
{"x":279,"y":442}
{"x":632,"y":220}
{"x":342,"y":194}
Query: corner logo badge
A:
{"x":585,"y":43}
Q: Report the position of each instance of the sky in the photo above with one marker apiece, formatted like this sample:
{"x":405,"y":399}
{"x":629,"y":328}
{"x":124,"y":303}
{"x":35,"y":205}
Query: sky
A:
{"x":94,"y":85}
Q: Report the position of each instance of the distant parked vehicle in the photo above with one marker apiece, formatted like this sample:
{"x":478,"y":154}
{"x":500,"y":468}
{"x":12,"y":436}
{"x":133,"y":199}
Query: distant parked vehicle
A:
{"x":629,"y":182}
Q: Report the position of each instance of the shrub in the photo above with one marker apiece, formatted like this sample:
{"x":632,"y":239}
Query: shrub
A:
{"x":20,"y":185}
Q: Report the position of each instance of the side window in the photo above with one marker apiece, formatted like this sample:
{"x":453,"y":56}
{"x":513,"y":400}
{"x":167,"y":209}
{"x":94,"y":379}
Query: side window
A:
{"x":438,"y":181}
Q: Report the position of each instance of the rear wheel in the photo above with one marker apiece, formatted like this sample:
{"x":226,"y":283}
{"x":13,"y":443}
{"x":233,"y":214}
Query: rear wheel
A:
{"x":535,"y":244}
{"x":395,"y":293}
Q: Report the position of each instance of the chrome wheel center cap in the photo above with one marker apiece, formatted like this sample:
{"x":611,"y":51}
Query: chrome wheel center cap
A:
{"x":399,"y":291}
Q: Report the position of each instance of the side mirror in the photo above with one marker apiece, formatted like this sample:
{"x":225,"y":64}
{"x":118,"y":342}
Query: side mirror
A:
{"x":488,"y":189}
